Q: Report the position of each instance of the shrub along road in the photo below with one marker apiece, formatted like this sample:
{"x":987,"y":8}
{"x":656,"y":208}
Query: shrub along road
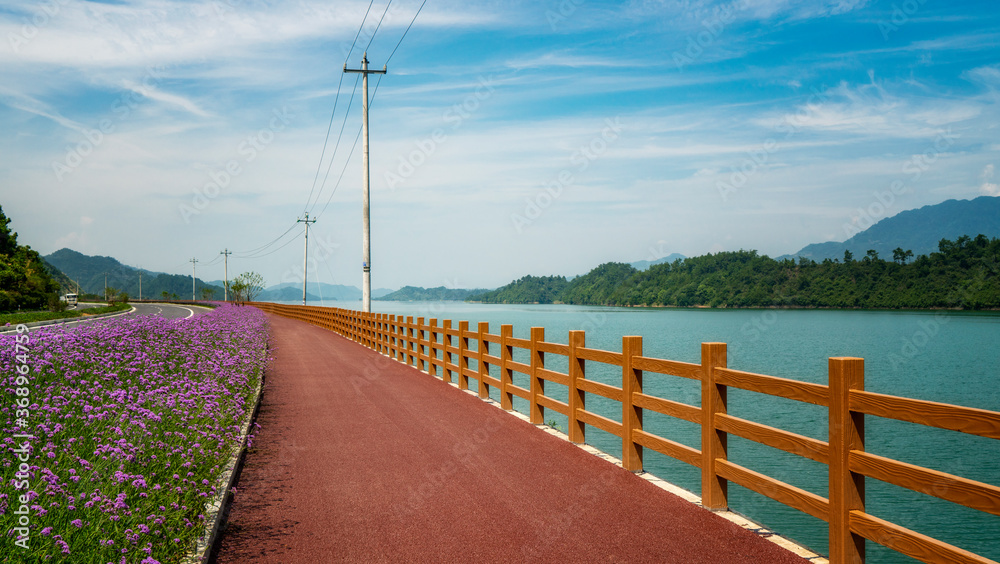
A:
{"x":362,"y":459}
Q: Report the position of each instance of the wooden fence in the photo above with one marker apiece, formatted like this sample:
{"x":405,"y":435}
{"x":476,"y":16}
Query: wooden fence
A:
{"x":449,"y":348}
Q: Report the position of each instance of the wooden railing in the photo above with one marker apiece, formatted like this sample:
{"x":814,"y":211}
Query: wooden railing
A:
{"x":448,"y":349}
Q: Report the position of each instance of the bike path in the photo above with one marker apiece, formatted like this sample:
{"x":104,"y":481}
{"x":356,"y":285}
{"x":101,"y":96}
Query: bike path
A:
{"x":360,"y":458}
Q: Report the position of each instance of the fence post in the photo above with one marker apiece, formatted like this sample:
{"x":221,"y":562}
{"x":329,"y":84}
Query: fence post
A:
{"x":577,"y":398}
{"x":463,"y":360}
{"x":378,"y":332}
{"x":714,"y":490}
{"x":483,"y":349}
{"x":847,"y":433}
{"x":401,"y":342}
{"x":446,"y":356}
{"x":416,"y":337}
{"x":631,"y":415}
{"x":506,"y":373}
{"x":537,"y":412}
{"x":396,"y":337}
{"x":432,"y":335}
{"x":409,"y":341}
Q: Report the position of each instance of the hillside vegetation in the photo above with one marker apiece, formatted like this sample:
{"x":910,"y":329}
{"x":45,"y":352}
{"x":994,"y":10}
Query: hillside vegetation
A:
{"x":25,"y":282}
{"x":961,"y":274}
{"x":416,"y":293}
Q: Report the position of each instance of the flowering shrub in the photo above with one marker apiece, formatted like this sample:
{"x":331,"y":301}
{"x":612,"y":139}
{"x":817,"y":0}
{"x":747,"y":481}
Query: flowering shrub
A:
{"x":133,"y":420}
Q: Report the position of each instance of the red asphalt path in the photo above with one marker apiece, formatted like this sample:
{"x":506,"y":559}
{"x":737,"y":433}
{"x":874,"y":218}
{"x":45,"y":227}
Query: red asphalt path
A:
{"x":363,"y":459}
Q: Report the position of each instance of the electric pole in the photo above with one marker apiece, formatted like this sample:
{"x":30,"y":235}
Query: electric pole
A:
{"x":140,"y":284}
{"x":305,"y":256}
{"x":193,"y":261}
{"x":366,"y":265}
{"x":105,"y":286}
{"x":225,"y":289}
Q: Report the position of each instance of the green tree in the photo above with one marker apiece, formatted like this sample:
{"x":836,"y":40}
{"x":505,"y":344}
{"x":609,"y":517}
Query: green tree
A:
{"x":25,"y":282}
{"x":246,"y":287}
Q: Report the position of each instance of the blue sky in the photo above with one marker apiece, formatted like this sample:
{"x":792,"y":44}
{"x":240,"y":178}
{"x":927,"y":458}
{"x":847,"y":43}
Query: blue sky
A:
{"x":508,"y":138}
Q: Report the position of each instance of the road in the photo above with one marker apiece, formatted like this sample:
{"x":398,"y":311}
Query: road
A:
{"x":168,"y":311}
{"x":359,"y":458}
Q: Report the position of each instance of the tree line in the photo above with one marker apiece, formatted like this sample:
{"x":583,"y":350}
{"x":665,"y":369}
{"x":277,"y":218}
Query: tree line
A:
{"x":962,"y":274}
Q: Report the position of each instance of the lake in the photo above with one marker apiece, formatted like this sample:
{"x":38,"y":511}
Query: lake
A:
{"x":950,"y":357}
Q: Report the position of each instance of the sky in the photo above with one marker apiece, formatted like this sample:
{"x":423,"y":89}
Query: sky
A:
{"x":506,"y":138}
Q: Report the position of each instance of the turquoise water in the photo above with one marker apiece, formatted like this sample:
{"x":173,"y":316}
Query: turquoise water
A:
{"x":940,"y":356}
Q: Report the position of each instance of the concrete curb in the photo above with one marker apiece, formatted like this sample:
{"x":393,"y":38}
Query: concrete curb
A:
{"x":215,"y":508}
{"x":67,"y":320}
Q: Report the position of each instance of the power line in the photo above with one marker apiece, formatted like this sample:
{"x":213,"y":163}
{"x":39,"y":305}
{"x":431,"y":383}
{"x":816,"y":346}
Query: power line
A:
{"x":358,"y":34}
{"x":319,"y":166}
{"x":404,"y":34}
{"x":246,"y":254}
{"x":342,"y":171}
{"x":372,"y":38}
{"x":333,"y":155}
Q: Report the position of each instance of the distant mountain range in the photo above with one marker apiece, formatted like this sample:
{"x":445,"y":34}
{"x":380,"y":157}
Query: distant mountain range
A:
{"x":645,"y":264}
{"x":951,"y":245}
{"x":93,"y":272}
{"x":318,"y":291}
{"x":917,"y":230}
{"x":415,"y":293}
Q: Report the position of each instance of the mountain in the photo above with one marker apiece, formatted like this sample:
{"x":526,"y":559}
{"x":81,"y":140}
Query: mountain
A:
{"x":645,"y":264}
{"x":961,"y":275}
{"x":414,"y":293}
{"x":90,"y":272}
{"x":329,"y":292}
{"x":917,"y":230}
{"x":526,"y":290}
{"x":66,"y":284}
{"x":285,"y":294}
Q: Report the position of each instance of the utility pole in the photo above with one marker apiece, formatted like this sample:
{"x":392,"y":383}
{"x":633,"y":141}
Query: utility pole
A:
{"x":105,"y":286}
{"x":366,"y":265}
{"x":305,"y":256}
{"x":225,"y":288}
{"x":140,"y":284}
{"x":193,"y":261}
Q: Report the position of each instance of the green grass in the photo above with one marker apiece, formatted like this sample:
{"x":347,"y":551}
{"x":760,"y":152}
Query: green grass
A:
{"x":31,"y":316}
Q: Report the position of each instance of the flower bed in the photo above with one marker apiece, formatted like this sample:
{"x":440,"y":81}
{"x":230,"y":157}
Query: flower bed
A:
{"x":132,"y":420}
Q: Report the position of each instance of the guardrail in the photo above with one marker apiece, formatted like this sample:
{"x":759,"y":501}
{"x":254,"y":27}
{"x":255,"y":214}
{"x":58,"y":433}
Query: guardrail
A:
{"x":449,"y":349}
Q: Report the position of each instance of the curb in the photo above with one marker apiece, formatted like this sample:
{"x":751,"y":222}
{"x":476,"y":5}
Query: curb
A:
{"x":66,"y":320}
{"x":215,"y":508}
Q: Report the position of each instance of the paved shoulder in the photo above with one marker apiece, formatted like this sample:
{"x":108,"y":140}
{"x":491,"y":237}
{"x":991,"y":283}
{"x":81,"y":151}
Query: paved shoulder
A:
{"x":362,"y":459}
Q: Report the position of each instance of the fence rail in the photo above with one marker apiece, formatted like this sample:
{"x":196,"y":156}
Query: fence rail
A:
{"x":448,"y":349}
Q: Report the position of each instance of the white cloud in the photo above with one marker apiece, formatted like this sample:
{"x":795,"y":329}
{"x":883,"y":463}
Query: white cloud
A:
{"x":988,"y":188}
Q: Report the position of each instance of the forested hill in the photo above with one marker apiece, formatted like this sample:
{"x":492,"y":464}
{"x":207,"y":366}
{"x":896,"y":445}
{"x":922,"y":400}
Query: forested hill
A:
{"x":964,"y":273}
{"x":416,"y":293}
